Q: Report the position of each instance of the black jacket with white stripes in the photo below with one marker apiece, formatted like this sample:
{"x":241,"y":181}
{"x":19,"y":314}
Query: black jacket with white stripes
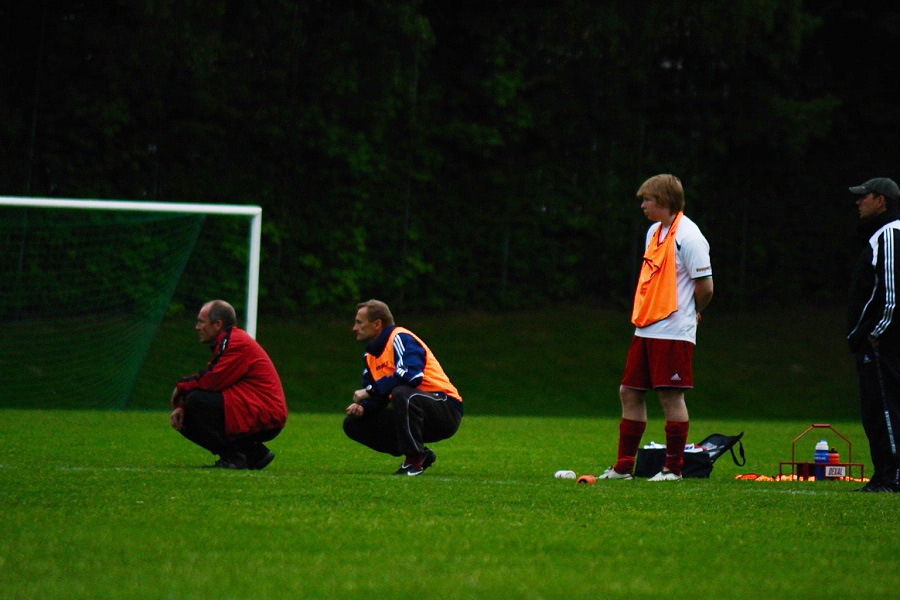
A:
{"x":875,"y":284}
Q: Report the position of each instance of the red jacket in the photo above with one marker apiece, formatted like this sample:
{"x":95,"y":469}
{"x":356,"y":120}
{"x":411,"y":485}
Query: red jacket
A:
{"x":244,"y":373}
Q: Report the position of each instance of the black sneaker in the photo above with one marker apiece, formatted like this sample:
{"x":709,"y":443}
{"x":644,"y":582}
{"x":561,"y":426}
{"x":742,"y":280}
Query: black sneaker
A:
{"x":876,"y":487}
{"x":261,"y":462}
{"x":232,"y":461}
{"x":413,"y":470}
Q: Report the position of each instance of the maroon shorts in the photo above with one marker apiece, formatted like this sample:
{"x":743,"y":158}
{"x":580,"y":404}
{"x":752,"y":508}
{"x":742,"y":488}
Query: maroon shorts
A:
{"x":653,"y":363}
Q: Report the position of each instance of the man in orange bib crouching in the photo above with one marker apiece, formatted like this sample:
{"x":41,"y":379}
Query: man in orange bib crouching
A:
{"x":406,"y":400}
{"x":674,"y":286}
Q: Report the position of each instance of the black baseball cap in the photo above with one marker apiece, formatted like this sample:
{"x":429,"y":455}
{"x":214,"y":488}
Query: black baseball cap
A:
{"x":881,"y":186}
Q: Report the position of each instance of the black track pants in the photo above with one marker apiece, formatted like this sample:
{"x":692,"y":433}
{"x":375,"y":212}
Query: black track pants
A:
{"x":413,"y":419}
{"x":204,"y":424}
{"x":879,"y":393}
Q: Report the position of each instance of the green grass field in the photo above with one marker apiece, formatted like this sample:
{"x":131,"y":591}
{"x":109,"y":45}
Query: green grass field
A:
{"x":113,"y":505}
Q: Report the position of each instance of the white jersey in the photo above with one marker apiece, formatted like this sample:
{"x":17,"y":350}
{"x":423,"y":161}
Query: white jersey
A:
{"x":691,"y":262}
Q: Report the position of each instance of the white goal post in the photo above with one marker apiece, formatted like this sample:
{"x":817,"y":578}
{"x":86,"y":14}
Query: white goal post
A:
{"x":252,"y":211}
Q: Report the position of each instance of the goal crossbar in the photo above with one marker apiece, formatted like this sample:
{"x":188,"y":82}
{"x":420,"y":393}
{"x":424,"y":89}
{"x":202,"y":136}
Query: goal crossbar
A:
{"x":252,"y":211}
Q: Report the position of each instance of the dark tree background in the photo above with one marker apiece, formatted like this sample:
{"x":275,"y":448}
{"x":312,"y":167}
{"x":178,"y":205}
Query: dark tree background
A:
{"x":462,"y":154}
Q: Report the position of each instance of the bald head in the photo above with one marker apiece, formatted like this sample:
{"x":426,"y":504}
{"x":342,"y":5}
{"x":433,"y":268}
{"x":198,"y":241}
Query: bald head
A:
{"x":219,"y":310}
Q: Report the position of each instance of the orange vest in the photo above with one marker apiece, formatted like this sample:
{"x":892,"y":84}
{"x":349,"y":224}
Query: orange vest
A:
{"x":434,"y":380}
{"x":656,"y":296}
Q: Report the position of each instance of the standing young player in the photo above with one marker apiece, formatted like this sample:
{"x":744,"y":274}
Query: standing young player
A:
{"x":674,"y":286}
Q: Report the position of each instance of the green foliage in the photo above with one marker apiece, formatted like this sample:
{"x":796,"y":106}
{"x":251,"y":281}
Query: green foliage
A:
{"x":444,"y":155}
{"x":85,"y":494}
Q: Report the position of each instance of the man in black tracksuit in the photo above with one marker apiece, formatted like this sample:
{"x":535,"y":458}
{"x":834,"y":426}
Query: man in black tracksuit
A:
{"x":873,"y":326}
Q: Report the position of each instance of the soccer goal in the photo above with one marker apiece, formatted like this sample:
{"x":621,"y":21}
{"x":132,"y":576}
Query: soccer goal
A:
{"x":90,"y":286}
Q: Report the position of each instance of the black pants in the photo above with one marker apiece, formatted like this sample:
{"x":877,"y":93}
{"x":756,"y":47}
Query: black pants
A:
{"x":413,"y":419}
{"x":879,"y":393}
{"x":204,"y":424}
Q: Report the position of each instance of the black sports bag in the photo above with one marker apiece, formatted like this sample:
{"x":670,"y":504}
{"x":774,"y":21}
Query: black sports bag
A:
{"x":650,"y":461}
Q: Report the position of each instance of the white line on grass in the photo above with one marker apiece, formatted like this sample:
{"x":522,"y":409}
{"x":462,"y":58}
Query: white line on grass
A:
{"x":808,"y":492}
{"x":445,"y":479}
{"x":245,"y":472}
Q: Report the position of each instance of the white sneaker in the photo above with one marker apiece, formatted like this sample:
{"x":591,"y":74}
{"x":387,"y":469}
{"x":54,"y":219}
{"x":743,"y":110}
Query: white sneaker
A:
{"x":611,"y":473}
{"x":665,"y":476}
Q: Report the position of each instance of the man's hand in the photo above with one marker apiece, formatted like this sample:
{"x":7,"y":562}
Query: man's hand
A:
{"x":176,"y":399}
{"x":177,"y":418}
{"x":356,"y":409}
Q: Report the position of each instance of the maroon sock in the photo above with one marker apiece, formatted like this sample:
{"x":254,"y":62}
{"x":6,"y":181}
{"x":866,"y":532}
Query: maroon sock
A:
{"x":414,"y":460}
{"x":630,"y":433}
{"x":676,"y":437}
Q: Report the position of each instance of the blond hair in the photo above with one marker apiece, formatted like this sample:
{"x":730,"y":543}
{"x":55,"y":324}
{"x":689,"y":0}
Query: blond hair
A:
{"x":375,"y":310}
{"x":666,"y":190}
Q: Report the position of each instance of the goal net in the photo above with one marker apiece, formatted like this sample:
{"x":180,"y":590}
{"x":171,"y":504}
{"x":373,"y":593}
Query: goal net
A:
{"x":98,"y":298}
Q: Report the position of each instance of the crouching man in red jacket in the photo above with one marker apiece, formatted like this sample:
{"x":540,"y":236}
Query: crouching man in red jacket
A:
{"x":237,"y":402}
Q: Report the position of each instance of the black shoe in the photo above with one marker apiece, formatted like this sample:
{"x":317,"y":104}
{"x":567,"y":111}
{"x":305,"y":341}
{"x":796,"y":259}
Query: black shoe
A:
{"x":413,"y":470}
{"x":429,"y":459}
{"x":262,"y":462}
{"x":876,"y":488}
{"x":232,"y":461}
